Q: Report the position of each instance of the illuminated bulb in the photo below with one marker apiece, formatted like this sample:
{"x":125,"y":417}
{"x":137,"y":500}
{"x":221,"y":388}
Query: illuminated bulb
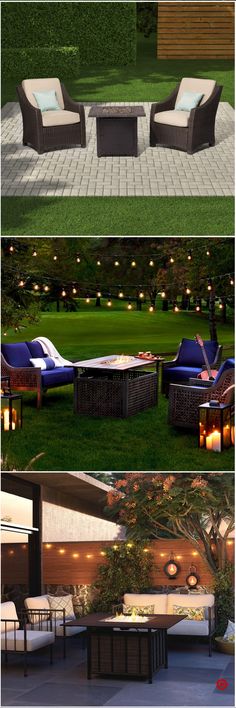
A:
{"x":129,"y":306}
{"x":63,"y":293}
{"x":98,"y":263}
{"x":46,"y":289}
{"x":178,"y":557}
{"x":48,"y":545}
{"x":209,"y":287}
{"x":197,"y":308}
{"x":171,"y":260}
{"x":4,"y":334}
{"x":77,"y":259}
{"x":24,"y":546}
{"x":55,"y":258}
{"x":231,"y":281}
{"x":99,"y":293}
{"x":221,"y":306}
{"x":133,"y":264}
{"x":229,"y":543}
{"x":195,"y":553}
{"x":151,"y":308}
{"x":36,"y":287}
{"x":11,"y":249}
{"x":116,"y":263}
{"x":21,"y":284}
{"x":129,"y":545}
{"x":89,"y":555}
{"x":208,"y":253}
{"x":102,"y":553}
{"x":141,"y":295}
{"x":209,"y":284}
{"x":75,"y":555}
{"x":109,"y":303}
{"x":87,"y":299}
{"x":189,"y":256}
{"x":115,"y":547}
{"x":162,"y":555}
{"x":61,"y":551}
{"x":11,"y":553}
{"x":163,"y":293}
{"x":74,"y":291}
{"x":34,"y":253}
{"x":151,"y":263}
{"x":121,"y":294}
{"x":145,"y":550}
{"x":176,"y":309}
{"x":188,"y":291}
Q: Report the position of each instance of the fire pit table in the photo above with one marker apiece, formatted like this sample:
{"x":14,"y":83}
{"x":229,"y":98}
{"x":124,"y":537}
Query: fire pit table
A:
{"x":125,"y":645}
{"x":116,"y":129}
{"x":116,"y":386}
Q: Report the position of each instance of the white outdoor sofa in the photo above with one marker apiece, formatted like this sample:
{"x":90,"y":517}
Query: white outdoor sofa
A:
{"x":163,"y":604}
{"x":58,"y":616}
{"x":24,"y":640}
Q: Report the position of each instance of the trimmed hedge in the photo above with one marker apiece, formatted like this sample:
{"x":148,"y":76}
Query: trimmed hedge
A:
{"x":29,"y":62}
{"x":104,"y":32}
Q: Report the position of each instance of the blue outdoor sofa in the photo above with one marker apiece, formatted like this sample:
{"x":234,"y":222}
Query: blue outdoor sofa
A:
{"x":25,"y":377}
{"x":189,"y":362}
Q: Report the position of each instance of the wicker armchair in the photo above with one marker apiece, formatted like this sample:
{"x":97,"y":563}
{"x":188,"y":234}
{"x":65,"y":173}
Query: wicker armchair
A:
{"x":50,"y":130}
{"x":186,"y":130}
{"x":189,"y":362}
{"x":184,"y":400}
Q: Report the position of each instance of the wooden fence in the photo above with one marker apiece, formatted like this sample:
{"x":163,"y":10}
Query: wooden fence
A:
{"x":195,"y":30}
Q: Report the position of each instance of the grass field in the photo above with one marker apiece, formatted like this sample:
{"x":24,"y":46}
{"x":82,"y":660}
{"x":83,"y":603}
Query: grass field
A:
{"x":148,"y":80}
{"x":80,"y":443}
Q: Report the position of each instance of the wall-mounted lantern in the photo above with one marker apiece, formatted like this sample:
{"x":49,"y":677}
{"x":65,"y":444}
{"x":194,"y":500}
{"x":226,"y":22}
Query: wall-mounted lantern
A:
{"x":171,"y":568}
{"x":192,"y":578}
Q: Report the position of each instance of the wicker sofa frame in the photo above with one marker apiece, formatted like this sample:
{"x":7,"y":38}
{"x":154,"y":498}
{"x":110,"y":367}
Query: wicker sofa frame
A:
{"x":25,"y":378}
{"x":165,"y":384}
{"x":201,"y":126}
{"x":184,"y":400}
{"x":41,"y":138}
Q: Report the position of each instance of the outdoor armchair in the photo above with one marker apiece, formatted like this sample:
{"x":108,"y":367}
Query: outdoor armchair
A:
{"x":189,"y":362}
{"x":50,"y":129}
{"x":25,"y":377}
{"x":182,"y":129}
{"x":58,"y":617}
{"x":17,"y":637}
{"x":184,"y":400}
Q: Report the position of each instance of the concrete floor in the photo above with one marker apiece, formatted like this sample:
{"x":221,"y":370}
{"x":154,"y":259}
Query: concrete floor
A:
{"x":79,"y":172}
{"x":190,"y":680}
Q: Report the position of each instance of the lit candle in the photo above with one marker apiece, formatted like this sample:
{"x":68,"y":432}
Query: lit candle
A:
{"x":6,"y":419}
{"x":226,"y":435}
{"x":213,"y":441}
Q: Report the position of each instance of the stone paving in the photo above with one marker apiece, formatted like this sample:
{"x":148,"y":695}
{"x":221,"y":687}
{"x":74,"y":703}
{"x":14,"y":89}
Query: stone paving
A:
{"x":79,"y":172}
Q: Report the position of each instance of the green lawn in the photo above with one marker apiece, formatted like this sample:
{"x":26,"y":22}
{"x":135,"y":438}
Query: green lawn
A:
{"x":79,"y":443}
{"x":149,"y":80}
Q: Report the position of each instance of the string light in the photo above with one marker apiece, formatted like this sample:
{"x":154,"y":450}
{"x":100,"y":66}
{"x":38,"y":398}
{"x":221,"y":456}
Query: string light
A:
{"x":176,"y":308}
{"x":172,"y":260}
{"x":189,"y":255}
{"x":197,"y":308}
{"x":151,"y":308}
{"x":87,"y":299}
{"x":120,"y":294}
{"x":221,"y":305}
{"x":188,"y":291}
{"x":163,"y":293}
{"x":46,"y":288}
{"x":11,"y":249}
{"x":209,"y":284}
{"x":98,"y":263}
{"x":208,"y":253}
{"x":36,"y":287}
{"x":34,"y":254}
{"x":109,"y":302}
{"x":63,"y":293}
{"x":74,"y":291}
{"x":141,"y":294}
{"x":99,"y":294}
{"x":151,"y":262}
{"x":133,"y":264}
{"x":55,"y":257}
{"x":21,"y":284}
{"x":116,"y":263}
{"x":77,"y":259}
{"x":231,"y":282}
{"x":129,"y":306}
{"x":61,"y":551}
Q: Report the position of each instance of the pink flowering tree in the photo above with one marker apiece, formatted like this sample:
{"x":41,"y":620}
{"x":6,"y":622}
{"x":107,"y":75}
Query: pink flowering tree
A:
{"x":198,"y":507}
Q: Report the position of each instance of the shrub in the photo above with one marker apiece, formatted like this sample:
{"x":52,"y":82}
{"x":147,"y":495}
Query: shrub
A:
{"x":29,"y":62}
{"x":224,"y":598}
{"x":105,"y":32}
{"x":128,"y":569}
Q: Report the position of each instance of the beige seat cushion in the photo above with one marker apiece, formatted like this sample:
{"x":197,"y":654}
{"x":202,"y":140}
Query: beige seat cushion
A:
{"x":57,"y":628}
{"x":141,"y":600}
{"x":8,"y":612}
{"x":51,"y":118}
{"x":191,"y":628}
{"x":14,"y":641}
{"x":177,"y":118}
{"x":205,"y":86}
{"x":189,"y":600}
{"x":31,"y":85}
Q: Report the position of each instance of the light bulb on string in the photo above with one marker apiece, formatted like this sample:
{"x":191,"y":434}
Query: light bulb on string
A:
{"x":99,"y":294}
{"x":208,"y":253}
{"x":11,"y":249}
{"x":98,"y":263}
{"x":46,"y":288}
{"x":231,"y":281}
{"x":55,"y":257}
{"x":120,"y":294}
{"x":197,"y":308}
{"x":188,"y":291}
{"x":109,"y":302}
{"x":163,"y":295}
{"x":133,"y":264}
{"x":21,"y":283}
{"x":63,"y":293}
{"x":189,"y":255}
{"x":116,"y":263}
{"x":176,"y":308}
{"x":77,"y":259}
{"x":129,"y":306}
{"x":141,"y":294}
{"x":87,"y":300}
{"x":36,"y":287}
{"x":74,"y":291}
{"x":34,"y":254}
{"x":209,"y":284}
{"x":172,"y":260}
{"x":151,"y":263}
{"x":151,"y":308}
{"x":221,"y":305}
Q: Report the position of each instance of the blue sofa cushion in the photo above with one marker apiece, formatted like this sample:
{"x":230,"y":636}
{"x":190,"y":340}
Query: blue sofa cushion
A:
{"x":36,"y":350}
{"x":191,"y":352}
{"x":16,"y":354}
{"x":57,"y":377}
{"x":227,"y":364}
{"x":181,"y":373}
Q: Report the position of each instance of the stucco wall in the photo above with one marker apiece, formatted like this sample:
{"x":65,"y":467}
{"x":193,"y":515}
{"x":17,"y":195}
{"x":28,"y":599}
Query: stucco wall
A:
{"x":60,"y":523}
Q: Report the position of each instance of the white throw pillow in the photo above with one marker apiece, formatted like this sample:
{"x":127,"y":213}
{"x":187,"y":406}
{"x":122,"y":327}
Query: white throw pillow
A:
{"x":59,"y":603}
{"x":229,"y":634}
{"x":43,"y":364}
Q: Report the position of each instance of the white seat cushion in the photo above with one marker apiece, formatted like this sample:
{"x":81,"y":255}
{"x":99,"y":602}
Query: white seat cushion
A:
{"x":142,"y":600}
{"x":35,"y":640}
{"x":51,"y":118}
{"x":191,"y":628}
{"x":57,"y":627}
{"x":39,"y":602}
{"x":31,"y":85}
{"x":177,"y":118}
{"x":189,"y":600}
{"x":205,"y":86}
{"x":8,"y":612}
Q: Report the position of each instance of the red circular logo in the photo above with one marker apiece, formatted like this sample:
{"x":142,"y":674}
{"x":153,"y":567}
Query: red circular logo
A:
{"x":221,"y":684}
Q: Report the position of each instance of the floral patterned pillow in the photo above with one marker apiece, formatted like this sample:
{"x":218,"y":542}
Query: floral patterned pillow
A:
{"x":139,"y":609}
{"x":193,"y":613}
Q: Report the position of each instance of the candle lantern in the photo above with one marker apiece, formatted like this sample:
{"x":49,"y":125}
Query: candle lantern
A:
{"x":11,"y":407}
{"x":171,"y":568}
{"x":193,"y":578}
{"x":215,"y":421}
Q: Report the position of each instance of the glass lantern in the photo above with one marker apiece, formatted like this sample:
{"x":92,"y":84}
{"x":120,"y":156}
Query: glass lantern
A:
{"x":171,"y":568}
{"x":215,"y":426}
{"x":11,"y":407}
{"x":192,"y":578}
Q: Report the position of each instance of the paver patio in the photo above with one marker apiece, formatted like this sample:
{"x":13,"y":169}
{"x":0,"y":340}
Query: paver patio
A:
{"x":79,"y":172}
{"x":190,"y":680}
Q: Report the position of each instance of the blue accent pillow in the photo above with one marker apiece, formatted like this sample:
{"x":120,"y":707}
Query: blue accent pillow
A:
{"x":16,"y":354}
{"x":36,"y":349}
{"x":47,"y":100}
{"x":44,"y":363}
{"x":188,"y":101}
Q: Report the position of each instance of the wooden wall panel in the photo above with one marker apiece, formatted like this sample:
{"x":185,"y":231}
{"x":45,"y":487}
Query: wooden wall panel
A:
{"x":14,"y":563}
{"x":198,"y":30}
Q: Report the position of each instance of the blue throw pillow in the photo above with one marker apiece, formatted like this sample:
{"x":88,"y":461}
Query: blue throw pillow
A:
{"x":47,"y":100}
{"x":188,"y":101}
{"x":44,"y":363}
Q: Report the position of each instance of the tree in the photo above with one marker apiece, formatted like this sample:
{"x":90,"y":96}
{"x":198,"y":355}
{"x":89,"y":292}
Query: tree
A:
{"x":198,"y":507}
{"x":128,"y":568}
